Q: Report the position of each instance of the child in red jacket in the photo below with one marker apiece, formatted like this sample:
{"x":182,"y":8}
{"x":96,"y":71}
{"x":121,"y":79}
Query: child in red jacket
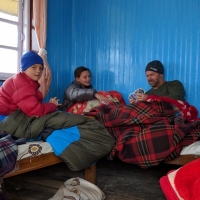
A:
{"x":21,"y":90}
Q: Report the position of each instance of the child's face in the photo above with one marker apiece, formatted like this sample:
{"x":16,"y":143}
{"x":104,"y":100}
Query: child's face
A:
{"x":84,"y":78}
{"x":34,"y":72}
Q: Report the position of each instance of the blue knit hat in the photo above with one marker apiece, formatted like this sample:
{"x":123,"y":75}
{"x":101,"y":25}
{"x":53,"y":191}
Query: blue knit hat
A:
{"x":30,"y":58}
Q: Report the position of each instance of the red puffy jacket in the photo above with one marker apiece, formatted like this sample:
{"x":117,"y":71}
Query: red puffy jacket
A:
{"x":21,"y":92}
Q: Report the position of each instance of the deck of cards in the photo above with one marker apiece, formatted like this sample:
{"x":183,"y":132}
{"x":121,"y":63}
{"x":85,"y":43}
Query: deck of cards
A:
{"x":132,"y":96}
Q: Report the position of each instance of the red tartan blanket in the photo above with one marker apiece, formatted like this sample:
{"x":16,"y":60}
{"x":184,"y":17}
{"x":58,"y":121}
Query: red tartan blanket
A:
{"x":186,"y":110}
{"x":146,"y":133}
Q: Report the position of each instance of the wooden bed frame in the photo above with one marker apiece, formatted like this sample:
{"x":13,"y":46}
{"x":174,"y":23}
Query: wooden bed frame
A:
{"x":44,"y":160}
{"x":183,"y":159}
{"x":37,"y":162}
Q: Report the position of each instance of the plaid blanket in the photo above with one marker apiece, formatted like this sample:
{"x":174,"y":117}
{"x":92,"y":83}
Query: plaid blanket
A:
{"x":8,"y":154}
{"x":146,"y":133}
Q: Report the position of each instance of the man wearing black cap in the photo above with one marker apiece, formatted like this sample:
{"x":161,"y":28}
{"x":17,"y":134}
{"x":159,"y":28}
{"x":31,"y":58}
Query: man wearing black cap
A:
{"x":171,"y":89}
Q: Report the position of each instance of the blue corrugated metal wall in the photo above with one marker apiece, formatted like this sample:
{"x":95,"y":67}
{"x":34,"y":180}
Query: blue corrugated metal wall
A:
{"x":117,"y":38}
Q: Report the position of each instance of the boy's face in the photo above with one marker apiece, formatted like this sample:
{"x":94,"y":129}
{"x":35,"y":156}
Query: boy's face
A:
{"x":34,"y":72}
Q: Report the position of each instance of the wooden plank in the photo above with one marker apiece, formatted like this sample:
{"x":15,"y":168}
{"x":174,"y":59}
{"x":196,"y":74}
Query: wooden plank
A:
{"x":37,"y":162}
{"x":33,"y":163}
{"x":183,"y":159}
{"x":90,"y":174}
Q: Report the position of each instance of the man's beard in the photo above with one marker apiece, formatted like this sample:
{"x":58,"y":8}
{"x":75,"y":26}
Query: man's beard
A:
{"x":154,"y":83}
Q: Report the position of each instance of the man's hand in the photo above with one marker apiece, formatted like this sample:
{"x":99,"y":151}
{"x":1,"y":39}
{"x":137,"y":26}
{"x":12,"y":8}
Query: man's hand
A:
{"x":132,"y":101}
{"x":141,"y":97}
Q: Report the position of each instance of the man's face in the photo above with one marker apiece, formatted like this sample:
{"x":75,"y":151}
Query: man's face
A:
{"x":154,"y":79}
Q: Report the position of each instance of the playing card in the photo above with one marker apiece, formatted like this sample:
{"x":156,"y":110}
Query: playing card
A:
{"x":139,"y":91}
{"x":132,"y":96}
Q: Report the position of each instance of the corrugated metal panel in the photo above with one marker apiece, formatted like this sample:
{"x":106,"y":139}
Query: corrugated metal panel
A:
{"x":59,"y":25}
{"x":117,"y":38}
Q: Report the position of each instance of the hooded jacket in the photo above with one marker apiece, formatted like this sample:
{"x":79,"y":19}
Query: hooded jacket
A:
{"x":20,"y":92}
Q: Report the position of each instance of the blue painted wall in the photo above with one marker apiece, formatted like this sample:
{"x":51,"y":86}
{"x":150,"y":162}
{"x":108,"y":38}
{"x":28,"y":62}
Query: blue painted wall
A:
{"x":117,"y":38}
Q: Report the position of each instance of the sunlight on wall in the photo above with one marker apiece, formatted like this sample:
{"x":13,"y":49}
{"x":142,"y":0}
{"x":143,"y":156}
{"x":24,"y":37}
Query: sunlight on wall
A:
{"x":9,"y":6}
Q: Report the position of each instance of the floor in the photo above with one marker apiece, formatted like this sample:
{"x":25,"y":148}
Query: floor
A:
{"x":118,"y":180}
